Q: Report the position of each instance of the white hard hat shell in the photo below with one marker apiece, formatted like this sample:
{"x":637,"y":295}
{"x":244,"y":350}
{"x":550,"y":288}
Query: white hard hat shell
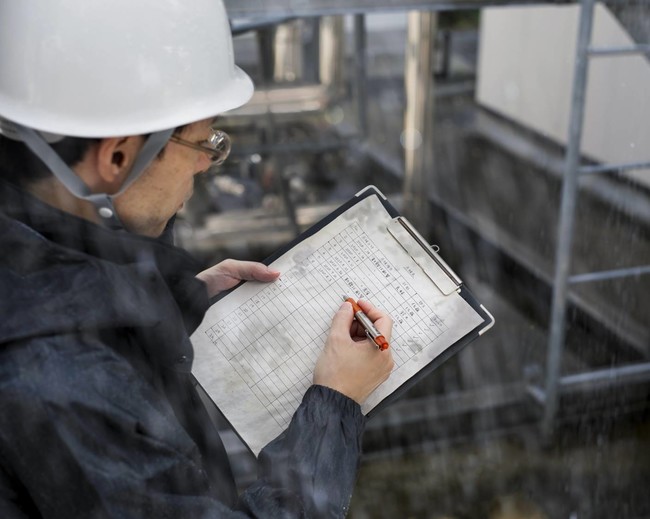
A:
{"x":101,"y":68}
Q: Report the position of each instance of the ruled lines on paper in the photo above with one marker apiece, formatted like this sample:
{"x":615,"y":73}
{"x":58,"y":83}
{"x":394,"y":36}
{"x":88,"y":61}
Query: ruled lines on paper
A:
{"x":273,"y":339}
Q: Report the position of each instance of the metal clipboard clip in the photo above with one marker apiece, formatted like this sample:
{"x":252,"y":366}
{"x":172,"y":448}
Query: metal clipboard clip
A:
{"x":424,"y":255}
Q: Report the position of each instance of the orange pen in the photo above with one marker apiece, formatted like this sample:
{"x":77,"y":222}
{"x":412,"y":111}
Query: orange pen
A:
{"x":371,"y":330}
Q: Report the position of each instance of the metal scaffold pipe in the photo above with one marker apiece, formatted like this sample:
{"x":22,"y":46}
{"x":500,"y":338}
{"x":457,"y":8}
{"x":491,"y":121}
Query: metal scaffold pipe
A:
{"x":567,"y":217}
{"x":418,"y":117}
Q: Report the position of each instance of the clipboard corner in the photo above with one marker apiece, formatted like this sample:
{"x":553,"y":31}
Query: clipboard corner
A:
{"x":490,"y":324}
{"x":374,"y":188}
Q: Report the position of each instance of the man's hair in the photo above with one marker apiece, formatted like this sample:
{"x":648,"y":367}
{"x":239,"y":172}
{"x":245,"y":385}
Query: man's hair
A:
{"x":20,"y":166}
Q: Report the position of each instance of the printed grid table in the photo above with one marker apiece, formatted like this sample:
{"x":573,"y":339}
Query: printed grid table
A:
{"x":301,"y":304}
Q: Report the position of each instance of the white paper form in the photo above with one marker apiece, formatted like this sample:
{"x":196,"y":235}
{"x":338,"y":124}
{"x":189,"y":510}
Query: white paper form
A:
{"x":256,"y":348}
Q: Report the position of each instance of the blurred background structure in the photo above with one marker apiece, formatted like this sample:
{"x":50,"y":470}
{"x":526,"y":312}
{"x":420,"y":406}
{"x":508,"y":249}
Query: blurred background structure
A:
{"x":516,"y":136}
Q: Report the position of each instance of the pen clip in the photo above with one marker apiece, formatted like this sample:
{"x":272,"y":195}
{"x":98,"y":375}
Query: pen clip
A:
{"x":372,"y":339}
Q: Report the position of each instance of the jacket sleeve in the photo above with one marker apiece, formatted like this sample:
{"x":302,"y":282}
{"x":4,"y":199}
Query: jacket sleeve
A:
{"x":96,"y":441}
{"x":309,"y":470}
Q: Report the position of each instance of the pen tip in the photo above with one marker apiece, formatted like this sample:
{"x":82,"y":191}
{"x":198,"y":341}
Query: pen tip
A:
{"x":345,"y":298}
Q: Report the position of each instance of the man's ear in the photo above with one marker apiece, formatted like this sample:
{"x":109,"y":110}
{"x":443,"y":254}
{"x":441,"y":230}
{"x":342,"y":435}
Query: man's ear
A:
{"x":114,"y":159}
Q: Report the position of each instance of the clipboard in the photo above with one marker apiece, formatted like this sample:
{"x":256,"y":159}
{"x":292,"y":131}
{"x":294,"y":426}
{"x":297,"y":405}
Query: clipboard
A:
{"x":223,"y":343}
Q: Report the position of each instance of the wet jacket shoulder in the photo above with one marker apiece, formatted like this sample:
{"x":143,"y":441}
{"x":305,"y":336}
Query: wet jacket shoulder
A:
{"x":100,"y":414}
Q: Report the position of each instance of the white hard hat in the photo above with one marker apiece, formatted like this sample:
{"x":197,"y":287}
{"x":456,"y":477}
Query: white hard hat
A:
{"x":98,"y":68}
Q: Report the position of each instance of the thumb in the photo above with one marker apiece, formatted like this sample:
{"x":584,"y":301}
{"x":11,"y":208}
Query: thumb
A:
{"x":342,"y":320}
{"x":260,"y":272}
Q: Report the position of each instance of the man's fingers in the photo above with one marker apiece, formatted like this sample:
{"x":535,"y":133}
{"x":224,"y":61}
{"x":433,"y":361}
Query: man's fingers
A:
{"x":370,"y":310}
{"x":342,"y":320}
{"x":248,"y":270}
{"x":382,"y":320}
{"x":260,"y":272}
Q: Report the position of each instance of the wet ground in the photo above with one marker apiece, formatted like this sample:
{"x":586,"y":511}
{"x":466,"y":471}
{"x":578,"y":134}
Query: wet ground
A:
{"x":583,"y":475}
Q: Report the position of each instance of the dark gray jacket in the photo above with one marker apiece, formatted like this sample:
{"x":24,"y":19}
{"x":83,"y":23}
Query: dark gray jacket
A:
{"x":99,"y":416}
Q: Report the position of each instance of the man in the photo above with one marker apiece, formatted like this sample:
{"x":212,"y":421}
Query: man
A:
{"x":106,"y":111}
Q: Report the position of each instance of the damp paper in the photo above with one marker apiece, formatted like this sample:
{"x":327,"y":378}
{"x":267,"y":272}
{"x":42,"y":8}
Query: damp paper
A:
{"x":256,"y":348}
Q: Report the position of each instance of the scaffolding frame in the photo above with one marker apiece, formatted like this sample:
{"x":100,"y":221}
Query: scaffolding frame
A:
{"x":251,"y":13}
{"x":562,"y":279}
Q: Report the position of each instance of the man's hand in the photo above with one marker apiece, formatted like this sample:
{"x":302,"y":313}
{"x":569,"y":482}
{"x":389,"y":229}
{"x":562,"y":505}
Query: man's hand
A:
{"x":350,"y":363}
{"x":228,"y":273}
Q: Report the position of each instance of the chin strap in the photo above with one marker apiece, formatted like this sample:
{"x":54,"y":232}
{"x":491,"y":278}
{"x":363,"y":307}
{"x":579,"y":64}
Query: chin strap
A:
{"x":103,"y":202}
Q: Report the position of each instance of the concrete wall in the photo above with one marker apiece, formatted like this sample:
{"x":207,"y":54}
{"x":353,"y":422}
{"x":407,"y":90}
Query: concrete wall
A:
{"x":525,"y":72}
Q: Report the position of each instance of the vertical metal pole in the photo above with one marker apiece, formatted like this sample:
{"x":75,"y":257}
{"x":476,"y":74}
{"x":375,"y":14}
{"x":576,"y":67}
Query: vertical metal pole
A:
{"x":361,"y":73}
{"x":566,"y":223}
{"x":311,"y":50}
{"x":288,"y":52}
{"x":265,"y":38}
{"x":418,"y":117}
{"x":331,"y":47}
{"x":269,"y":53}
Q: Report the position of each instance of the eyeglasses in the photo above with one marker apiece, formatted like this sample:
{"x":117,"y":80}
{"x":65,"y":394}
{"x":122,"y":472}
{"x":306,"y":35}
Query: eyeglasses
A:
{"x":217,"y":146}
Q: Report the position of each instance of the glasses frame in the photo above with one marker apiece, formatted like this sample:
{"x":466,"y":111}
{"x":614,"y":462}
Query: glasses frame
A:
{"x":217,"y":146}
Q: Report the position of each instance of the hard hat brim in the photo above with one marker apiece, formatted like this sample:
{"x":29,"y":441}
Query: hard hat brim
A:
{"x":234,"y":94}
